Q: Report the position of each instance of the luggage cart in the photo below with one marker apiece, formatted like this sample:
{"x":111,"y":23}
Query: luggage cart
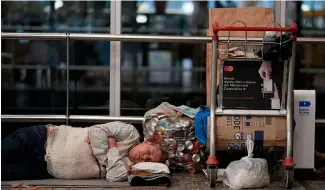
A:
{"x":286,"y":109}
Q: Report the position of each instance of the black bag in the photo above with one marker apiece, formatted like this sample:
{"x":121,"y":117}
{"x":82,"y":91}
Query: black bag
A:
{"x":275,"y":51}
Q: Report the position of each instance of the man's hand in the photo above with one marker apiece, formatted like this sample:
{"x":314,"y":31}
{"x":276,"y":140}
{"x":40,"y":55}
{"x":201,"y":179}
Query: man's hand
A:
{"x":265,"y":70}
{"x":111,"y":142}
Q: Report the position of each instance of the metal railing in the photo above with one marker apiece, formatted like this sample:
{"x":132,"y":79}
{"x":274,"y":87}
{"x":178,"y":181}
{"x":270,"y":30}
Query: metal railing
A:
{"x":83,"y":118}
{"x":123,"y":38}
{"x":71,"y":118}
{"x":136,"y":38}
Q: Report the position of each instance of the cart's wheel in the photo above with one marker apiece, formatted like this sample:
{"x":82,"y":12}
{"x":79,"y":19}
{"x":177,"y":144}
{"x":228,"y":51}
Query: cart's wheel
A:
{"x":212,"y":174}
{"x":289,"y":178}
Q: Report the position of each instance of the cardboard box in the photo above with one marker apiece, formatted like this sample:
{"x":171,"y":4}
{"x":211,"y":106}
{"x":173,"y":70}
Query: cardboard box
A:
{"x":304,"y":131}
{"x":232,"y":131}
{"x":251,"y":16}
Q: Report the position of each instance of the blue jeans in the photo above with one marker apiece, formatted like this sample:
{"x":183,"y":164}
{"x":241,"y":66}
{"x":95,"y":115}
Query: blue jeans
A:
{"x":22,"y":154}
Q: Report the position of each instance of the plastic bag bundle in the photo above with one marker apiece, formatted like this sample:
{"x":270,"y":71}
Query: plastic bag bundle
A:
{"x":165,"y":121}
{"x":173,"y":128}
{"x":247,"y":172}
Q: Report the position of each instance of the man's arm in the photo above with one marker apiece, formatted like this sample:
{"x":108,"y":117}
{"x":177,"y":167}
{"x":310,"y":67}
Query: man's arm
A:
{"x":119,"y":130}
{"x":98,"y":135}
{"x":116,"y":170}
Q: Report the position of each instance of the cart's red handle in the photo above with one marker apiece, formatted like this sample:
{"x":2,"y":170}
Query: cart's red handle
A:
{"x":216,"y":27}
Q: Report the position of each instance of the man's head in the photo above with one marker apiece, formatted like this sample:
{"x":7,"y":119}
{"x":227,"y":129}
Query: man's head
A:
{"x":145,"y":152}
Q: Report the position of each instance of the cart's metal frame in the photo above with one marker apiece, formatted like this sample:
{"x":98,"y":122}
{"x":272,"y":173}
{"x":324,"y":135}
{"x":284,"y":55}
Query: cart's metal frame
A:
{"x":287,"y":112}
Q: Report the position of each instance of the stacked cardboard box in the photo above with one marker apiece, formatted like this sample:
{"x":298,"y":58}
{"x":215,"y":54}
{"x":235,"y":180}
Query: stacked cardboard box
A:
{"x":266,"y":131}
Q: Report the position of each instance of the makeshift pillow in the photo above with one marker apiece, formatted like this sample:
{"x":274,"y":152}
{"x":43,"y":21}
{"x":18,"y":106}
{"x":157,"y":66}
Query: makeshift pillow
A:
{"x":151,"y":167}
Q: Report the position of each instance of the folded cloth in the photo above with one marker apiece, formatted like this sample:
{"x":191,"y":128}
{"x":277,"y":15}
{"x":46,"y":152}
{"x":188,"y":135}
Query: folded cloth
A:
{"x":149,"y":180}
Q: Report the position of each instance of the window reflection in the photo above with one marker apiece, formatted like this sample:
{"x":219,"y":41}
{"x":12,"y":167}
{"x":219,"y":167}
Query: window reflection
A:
{"x":89,"y":74}
{"x":313,"y":14}
{"x":168,"y":7}
{"x":177,"y":17}
{"x":33,"y":72}
{"x":156,"y":72}
{"x":56,"y":16}
{"x":309,"y":15}
{"x":311,"y":73}
{"x":162,"y":72}
{"x":33,"y":80}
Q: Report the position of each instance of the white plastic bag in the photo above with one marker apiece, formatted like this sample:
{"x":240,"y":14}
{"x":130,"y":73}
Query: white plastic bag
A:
{"x":247,"y":172}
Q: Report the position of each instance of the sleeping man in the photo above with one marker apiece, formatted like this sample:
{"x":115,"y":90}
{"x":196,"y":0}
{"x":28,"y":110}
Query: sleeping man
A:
{"x":65,"y":152}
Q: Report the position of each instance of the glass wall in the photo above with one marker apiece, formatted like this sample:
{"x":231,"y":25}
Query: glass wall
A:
{"x":155,"y":72}
{"x":34,"y":72}
{"x":89,"y":78}
{"x":34,"y":75}
{"x":310,"y":17}
{"x":55,"y":16}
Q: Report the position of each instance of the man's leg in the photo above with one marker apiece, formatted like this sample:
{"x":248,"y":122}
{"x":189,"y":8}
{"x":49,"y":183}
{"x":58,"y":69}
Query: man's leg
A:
{"x":25,"y":170}
{"x":23,"y":152}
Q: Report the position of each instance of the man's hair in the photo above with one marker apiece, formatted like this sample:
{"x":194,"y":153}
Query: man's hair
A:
{"x":164,"y":154}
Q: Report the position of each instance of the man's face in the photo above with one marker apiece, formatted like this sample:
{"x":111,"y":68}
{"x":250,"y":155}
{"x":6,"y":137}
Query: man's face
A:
{"x":145,"y":152}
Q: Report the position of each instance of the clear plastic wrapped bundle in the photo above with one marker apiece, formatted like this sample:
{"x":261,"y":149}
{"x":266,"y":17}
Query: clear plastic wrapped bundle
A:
{"x":174,"y":131}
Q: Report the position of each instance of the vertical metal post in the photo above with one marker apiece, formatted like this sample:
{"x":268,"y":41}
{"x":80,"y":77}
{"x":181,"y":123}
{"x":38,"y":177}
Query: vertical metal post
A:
{"x":280,"y":12}
{"x":213,"y":98}
{"x":284,"y":86}
{"x":212,"y":161}
{"x":290,"y":101}
{"x":112,"y":60}
{"x":13,"y":62}
{"x":68,"y":82}
{"x":277,"y":11}
{"x":220,"y":96}
{"x":282,"y":20}
{"x":115,"y":61}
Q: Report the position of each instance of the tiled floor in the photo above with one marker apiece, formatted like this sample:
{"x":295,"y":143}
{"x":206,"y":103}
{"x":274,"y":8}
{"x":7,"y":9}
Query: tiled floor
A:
{"x":318,"y":185}
{"x":199,"y":182}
